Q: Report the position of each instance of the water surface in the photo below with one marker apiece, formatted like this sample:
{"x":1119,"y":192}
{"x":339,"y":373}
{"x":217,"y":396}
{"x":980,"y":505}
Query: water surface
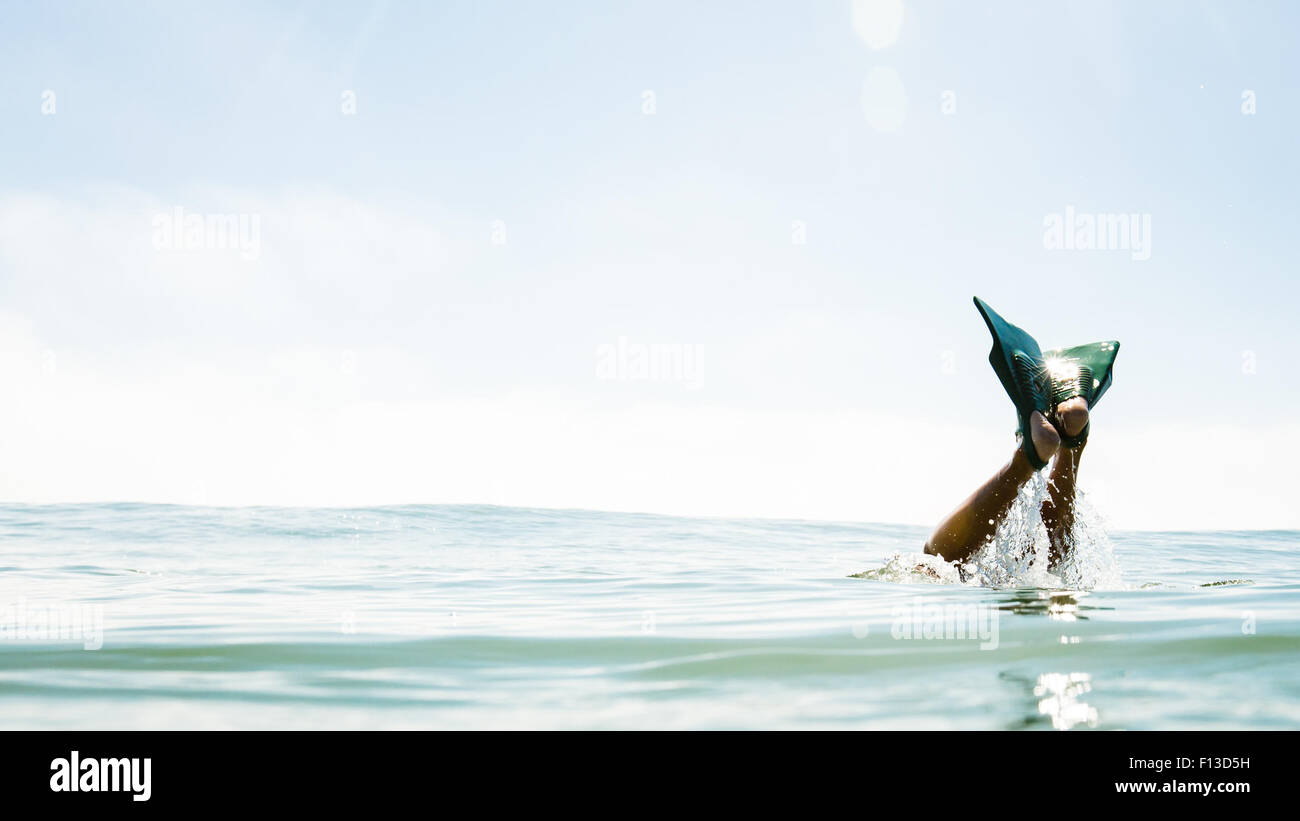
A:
{"x":491,"y":617}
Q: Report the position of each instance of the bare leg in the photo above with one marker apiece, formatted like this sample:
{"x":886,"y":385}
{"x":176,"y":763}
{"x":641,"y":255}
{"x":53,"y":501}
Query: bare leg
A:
{"x":1058,"y":507}
{"x":973,"y":523}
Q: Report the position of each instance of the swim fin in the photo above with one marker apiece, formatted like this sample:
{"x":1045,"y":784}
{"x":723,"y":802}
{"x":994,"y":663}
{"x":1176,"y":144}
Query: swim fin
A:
{"x":1084,"y":370}
{"x":1038,"y":381}
{"x":1018,"y":362}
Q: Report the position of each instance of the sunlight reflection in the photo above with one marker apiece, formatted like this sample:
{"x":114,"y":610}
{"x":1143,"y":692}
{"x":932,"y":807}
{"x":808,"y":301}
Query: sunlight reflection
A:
{"x":1059,"y":699}
{"x":877,"y":21}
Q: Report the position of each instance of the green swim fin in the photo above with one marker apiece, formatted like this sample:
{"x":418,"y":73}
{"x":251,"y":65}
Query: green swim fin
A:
{"x":1038,"y":381}
{"x":1084,"y":370}
{"x":1018,"y":362}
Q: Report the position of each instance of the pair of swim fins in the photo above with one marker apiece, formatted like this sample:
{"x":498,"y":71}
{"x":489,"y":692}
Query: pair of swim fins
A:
{"x":1038,"y":380}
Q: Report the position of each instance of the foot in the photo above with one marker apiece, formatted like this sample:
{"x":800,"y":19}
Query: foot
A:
{"x":1044,"y":435}
{"x":1072,"y":416}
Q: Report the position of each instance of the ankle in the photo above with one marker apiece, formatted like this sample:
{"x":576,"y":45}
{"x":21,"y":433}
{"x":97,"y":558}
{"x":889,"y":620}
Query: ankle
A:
{"x":1046,"y":439}
{"x":1072,"y":416}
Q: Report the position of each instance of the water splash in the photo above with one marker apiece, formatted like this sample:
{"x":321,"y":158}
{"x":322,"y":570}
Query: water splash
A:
{"x":1017,"y":555}
{"x":905,"y":568}
{"x":1090,"y":563}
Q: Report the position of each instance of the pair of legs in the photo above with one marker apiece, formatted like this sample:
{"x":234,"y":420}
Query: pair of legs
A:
{"x":972,"y":524}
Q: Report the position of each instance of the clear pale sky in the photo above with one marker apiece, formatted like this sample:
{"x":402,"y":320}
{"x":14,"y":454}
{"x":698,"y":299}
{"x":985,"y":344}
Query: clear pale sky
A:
{"x":436,"y":272}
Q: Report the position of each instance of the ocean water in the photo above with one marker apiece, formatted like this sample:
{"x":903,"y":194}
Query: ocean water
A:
{"x":157,"y":616}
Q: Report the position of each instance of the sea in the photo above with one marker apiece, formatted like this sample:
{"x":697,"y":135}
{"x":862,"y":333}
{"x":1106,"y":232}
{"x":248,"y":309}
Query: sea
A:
{"x":144,"y":616}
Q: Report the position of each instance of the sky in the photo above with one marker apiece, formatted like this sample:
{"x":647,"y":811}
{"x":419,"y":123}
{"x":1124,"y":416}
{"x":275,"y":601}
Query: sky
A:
{"x":702,"y":259}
